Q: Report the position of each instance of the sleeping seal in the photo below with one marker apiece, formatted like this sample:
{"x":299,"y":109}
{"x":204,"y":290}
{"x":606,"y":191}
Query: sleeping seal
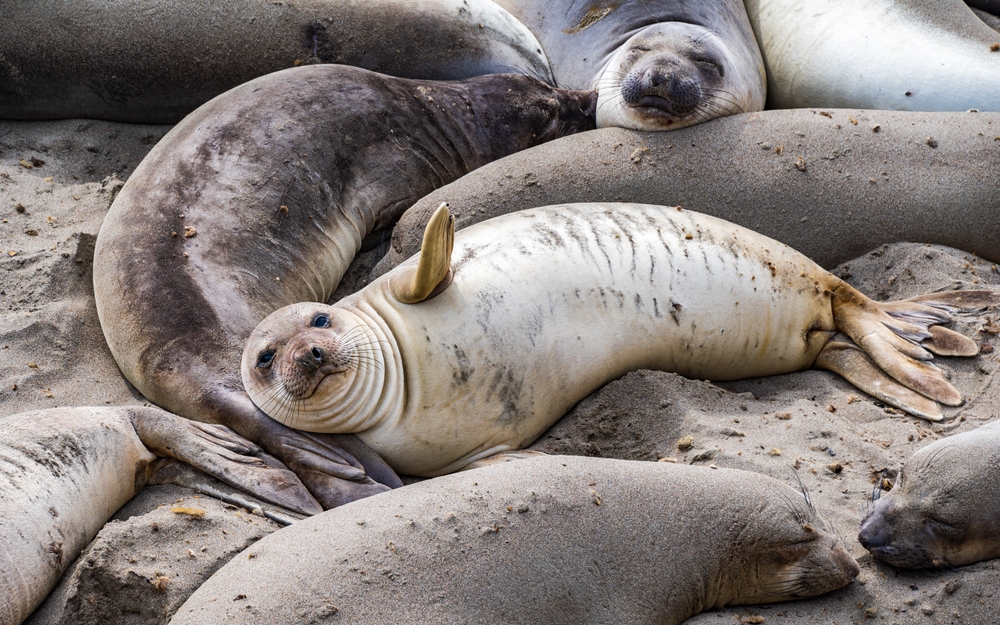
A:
{"x":943,"y":508}
{"x":64,"y":472}
{"x":482,"y":342}
{"x":909,"y":55}
{"x":658,"y":65}
{"x":157,"y":60}
{"x":558,"y":539}
{"x":261,"y":198}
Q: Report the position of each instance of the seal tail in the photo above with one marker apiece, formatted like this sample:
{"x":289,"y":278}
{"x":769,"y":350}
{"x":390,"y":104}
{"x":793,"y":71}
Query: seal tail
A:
{"x":898,"y":339}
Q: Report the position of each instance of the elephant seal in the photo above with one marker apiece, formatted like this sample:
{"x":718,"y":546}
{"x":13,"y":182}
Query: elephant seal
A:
{"x":261,"y":198}
{"x":482,"y":342}
{"x":657,"y":65}
{"x":156,"y":61}
{"x":943,"y":508}
{"x":64,"y":472}
{"x":560,"y":539}
{"x":821,"y":183}
{"x":932,"y":55}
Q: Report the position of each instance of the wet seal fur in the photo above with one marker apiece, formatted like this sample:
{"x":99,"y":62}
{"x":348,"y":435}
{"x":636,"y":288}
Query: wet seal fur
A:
{"x":261,"y":198}
{"x":657,"y":65}
{"x":482,"y":342}
{"x":798,"y":176}
{"x":64,"y":472}
{"x":942,"y":511}
{"x":157,"y":60}
{"x":558,"y":539}
{"x":910,"y":55}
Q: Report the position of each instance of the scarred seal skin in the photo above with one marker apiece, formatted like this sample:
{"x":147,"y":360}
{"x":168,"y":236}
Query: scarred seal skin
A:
{"x":64,"y":472}
{"x":261,"y":198}
{"x":558,"y":539}
{"x":546,"y":305}
{"x":658,"y":65}
{"x":908,"y":55}
{"x":942,"y":511}
{"x":154,"y":61}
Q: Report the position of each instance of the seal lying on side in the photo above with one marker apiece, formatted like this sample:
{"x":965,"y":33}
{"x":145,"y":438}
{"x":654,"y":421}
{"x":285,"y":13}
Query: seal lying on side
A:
{"x":910,"y":55}
{"x":261,"y":198}
{"x":560,"y":539}
{"x":65,"y":471}
{"x":658,"y":65}
{"x":943,"y":510}
{"x":829,"y":188}
{"x":540,"y":308}
{"x":157,"y":60}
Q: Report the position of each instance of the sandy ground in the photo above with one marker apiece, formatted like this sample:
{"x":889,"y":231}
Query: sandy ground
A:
{"x":52,"y":353}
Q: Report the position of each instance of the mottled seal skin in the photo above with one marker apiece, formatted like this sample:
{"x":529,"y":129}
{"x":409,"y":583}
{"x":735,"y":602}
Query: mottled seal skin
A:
{"x":558,"y":539}
{"x":261,"y":198}
{"x":546,"y":305}
{"x":658,"y":65}
{"x":942,"y":512}
{"x":154,"y":61}
{"x":908,"y":55}
{"x":826,"y":186}
{"x":64,"y":472}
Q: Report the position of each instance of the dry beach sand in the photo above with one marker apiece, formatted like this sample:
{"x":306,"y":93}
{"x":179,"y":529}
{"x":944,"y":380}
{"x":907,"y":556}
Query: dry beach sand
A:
{"x":142,"y":566}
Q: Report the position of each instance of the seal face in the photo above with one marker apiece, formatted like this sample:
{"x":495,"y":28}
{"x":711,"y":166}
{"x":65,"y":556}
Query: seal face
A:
{"x":543,"y":306}
{"x":657,"y":65}
{"x":524,"y":541}
{"x":942,"y":511}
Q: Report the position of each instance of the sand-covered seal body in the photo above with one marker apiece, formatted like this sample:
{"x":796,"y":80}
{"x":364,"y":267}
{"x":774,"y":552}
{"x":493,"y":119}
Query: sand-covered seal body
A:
{"x":942,"y":510}
{"x":549,"y":540}
{"x":912,"y":55}
{"x":64,"y":472}
{"x":154,"y":61}
{"x":262,"y":197}
{"x":546,"y":305}
{"x":658,"y":65}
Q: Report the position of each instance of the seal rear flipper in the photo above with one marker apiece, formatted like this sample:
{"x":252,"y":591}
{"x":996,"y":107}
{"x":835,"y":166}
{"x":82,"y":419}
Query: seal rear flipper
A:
{"x":219,"y":452}
{"x":892,"y":333}
{"x":433,"y":272}
{"x":856,"y":367}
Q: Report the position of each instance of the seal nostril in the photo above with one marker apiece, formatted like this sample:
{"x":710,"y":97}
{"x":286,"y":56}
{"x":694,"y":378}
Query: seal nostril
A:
{"x":317,"y":353}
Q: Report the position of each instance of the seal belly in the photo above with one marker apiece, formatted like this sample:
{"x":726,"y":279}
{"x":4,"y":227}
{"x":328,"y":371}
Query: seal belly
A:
{"x":548,"y":305}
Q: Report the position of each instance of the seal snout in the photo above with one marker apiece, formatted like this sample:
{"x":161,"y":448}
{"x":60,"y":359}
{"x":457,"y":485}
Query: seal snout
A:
{"x":874,"y":534}
{"x":665,"y":85}
{"x":310,"y":357}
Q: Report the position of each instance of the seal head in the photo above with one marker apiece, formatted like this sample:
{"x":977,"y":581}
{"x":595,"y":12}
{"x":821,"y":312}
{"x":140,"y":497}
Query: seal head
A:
{"x":669,"y":76}
{"x":942,"y":511}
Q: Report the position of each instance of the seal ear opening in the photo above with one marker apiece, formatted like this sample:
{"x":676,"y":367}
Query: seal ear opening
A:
{"x":433,"y":272}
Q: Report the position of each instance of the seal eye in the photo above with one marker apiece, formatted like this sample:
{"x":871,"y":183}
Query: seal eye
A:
{"x":712,"y":65}
{"x":321,"y":321}
{"x":264,"y":360}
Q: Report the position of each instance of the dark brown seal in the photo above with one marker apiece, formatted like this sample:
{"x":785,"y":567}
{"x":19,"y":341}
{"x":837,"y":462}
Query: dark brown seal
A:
{"x":154,"y":61}
{"x":260,"y":199}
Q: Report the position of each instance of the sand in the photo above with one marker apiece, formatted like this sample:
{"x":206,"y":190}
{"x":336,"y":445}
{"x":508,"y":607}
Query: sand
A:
{"x":52,"y":353}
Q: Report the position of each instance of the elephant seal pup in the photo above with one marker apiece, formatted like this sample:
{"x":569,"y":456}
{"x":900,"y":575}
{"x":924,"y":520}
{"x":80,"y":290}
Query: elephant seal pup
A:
{"x":157,"y":60}
{"x":943,"y":509}
{"x":658,"y":65}
{"x":560,"y":539}
{"x":64,"y":472}
{"x":436,"y":367}
{"x":261,"y":198}
{"x":827,"y":187}
{"x":932,"y":55}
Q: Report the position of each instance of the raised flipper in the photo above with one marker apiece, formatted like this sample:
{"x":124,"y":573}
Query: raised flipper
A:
{"x":857,"y":368}
{"x":219,"y":452}
{"x":432,"y":274}
{"x":900,"y":337}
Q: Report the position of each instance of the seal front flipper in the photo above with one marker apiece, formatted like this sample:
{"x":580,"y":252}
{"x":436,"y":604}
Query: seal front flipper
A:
{"x":221,"y":453}
{"x":852,"y":364}
{"x":432,"y":274}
